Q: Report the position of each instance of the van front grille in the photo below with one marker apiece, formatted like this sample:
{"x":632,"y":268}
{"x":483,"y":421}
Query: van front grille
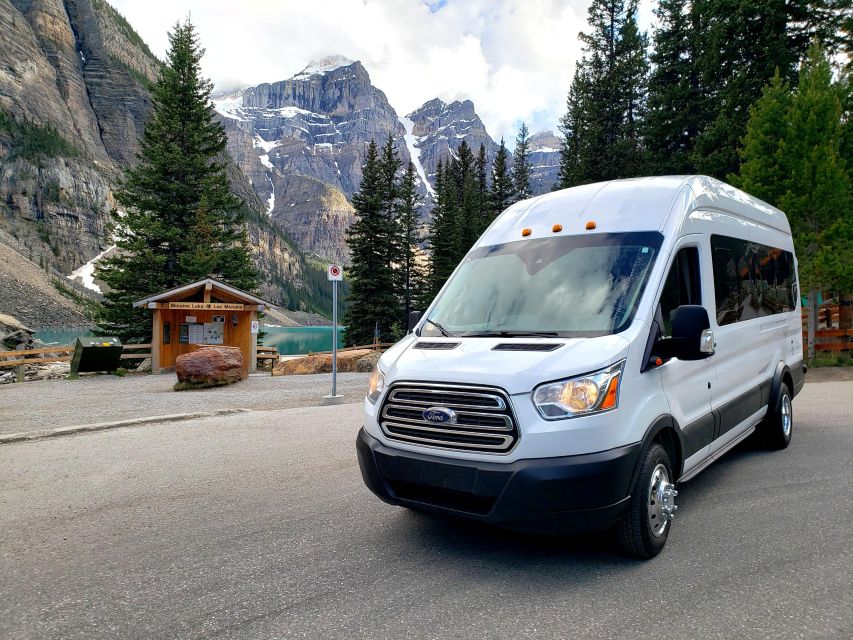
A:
{"x":477,"y":418}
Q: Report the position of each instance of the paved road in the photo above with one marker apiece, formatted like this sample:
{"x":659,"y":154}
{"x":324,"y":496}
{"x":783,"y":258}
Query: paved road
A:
{"x":261,"y":528}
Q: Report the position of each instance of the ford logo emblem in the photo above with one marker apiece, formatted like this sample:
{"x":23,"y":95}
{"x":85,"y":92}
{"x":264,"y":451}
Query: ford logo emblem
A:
{"x":441,"y":415}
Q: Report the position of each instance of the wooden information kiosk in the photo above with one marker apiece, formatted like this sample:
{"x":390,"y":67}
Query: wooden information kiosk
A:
{"x":202,"y":313}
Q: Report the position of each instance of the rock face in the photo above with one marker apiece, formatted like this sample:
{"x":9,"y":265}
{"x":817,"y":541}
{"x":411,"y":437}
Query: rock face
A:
{"x":210,"y":367}
{"x":439,"y":128}
{"x":74,"y":73}
{"x":544,"y":161}
{"x":13,"y":334}
{"x":302,"y":143}
{"x":348,"y":361}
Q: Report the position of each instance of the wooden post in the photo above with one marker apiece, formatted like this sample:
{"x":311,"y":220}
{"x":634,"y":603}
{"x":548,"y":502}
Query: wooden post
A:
{"x":156,"y":341}
{"x":812,"y":323}
{"x":19,"y":373}
{"x":207,"y":289}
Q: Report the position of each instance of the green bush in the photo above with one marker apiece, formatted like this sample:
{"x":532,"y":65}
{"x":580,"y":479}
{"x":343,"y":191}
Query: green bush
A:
{"x":32,"y":141}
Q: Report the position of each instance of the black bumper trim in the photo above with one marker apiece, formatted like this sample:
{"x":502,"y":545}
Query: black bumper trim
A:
{"x":570,"y":494}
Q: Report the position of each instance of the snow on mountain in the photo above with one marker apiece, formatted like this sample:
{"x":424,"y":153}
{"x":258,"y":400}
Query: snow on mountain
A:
{"x":86,"y":273}
{"x":544,"y":149}
{"x":412,"y":143}
{"x":322,"y":66}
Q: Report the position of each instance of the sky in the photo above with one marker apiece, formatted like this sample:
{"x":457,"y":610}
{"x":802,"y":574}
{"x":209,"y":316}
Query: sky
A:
{"x":513,"y":58}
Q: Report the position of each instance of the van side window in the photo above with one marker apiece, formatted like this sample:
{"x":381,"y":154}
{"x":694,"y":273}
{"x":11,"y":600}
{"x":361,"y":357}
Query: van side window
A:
{"x":751,"y":280}
{"x":681,"y":286}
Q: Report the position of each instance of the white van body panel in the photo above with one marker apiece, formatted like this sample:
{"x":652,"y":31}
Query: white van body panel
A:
{"x":686,"y":210}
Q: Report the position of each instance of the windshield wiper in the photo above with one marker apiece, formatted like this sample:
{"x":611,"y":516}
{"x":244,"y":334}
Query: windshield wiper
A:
{"x":441,"y":329}
{"x":512,"y":334}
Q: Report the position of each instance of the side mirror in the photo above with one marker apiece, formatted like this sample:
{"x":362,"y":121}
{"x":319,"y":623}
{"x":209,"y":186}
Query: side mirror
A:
{"x":414,"y":318}
{"x":692,"y":338}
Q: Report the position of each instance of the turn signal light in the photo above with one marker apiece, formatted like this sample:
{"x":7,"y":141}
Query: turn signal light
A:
{"x":557,"y":228}
{"x":526,"y":232}
{"x":612,"y":391}
{"x":590,"y":225}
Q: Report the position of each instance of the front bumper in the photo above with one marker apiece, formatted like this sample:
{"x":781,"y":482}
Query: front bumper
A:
{"x":571,"y":494}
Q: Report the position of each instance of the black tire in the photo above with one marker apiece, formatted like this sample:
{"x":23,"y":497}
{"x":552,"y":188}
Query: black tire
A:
{"x":634,"y":532}
{"x":777,"y":428}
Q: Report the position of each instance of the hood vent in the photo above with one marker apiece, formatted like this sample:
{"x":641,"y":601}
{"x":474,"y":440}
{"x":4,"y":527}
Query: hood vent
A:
{"x":436,"y":345}
{"x":526,"y":346}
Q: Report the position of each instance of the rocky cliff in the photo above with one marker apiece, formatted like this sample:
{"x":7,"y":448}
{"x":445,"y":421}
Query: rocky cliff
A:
{"x":544,"y":161}
{"x":302,"y":142}
{"x":74,"y":98}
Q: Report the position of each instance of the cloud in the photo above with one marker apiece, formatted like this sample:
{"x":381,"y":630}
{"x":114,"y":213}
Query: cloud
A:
{"x":513,"y":58}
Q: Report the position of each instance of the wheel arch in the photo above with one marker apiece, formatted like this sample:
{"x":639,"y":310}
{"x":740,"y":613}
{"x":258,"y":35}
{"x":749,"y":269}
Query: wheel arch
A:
{"x":665,"y":431}
{"x":781,"y":375}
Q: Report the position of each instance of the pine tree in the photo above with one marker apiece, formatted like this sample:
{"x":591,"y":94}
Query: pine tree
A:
{"x":606,"y":102}
{"x":762,"y":173}
{"x":444,"y":241}
{"x":501,"y":192}
{"x":411,"y":277}
{"x":676,"y":106}
{"x":484,"y":218}
{"x":818,"y":194}
{"x":521,"y":164}
{"x":180,"y":220}
{"x":372,"y":301}
{"x":463,"y":173}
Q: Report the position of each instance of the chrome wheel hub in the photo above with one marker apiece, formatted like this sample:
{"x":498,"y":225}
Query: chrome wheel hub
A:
{"x":787,"y":415}
{"x":662,"y":505}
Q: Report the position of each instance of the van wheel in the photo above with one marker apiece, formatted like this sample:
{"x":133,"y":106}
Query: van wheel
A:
{"x":645,"y":528}
{"x":778,"y":427}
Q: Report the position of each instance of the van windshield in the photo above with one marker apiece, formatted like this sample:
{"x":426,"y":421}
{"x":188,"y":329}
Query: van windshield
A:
{"x":564,"y":286}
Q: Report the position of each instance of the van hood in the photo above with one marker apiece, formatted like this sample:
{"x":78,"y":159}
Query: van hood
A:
{"x":475,"y":361}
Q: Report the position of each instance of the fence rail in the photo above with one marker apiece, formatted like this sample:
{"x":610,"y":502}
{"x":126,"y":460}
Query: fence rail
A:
{"x":18,"y":359}
{"x":828,"y":335}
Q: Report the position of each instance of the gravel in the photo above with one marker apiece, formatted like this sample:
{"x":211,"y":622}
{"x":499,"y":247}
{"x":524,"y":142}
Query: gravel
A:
{"x":34,"y":406}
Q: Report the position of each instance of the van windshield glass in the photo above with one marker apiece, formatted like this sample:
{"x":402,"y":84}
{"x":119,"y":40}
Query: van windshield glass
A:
{"x":566,"y":286}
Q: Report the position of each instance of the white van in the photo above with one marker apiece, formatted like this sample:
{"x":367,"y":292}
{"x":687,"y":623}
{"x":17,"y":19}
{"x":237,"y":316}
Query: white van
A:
{"x":596,"y":347}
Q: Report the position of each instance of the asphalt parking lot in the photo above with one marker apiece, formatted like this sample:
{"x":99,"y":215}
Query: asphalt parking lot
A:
{"x":257,"y":525}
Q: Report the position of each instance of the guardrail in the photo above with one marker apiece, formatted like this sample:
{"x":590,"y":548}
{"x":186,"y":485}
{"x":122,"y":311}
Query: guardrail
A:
{"x":19,"y":359}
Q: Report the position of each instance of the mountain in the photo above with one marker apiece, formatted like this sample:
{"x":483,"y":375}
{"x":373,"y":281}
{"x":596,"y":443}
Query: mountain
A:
{"x":437,"y":128}
{"x":302,"y":143}
{"x":544,"y":161}
{"x":74,"y":98}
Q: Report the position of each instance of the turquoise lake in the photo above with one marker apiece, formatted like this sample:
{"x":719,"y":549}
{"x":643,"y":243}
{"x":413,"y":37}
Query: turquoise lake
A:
{"x":288,"y":340}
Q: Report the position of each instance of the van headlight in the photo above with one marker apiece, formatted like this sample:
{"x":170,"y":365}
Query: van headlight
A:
{"x":376,"y":384}
{"x":580,"y":396}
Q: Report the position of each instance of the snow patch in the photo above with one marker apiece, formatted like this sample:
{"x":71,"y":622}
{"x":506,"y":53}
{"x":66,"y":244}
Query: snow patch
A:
{"x":86,"y":273}
{"x":415,"y":153}
{"x":322,"y":66}
{"x":544,"y":150}
{"x":271,"y":199}
{"x":230,"y":105}
{"x":260,"y":143}
{"x":265,"y":160}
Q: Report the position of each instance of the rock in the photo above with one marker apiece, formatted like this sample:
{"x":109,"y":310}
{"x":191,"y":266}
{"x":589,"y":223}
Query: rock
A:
{"x":13,"y":334}
{"x":144,"y":366}
{"x":366,"y":363}
{"x":210,"y":367}
{"x":347,"y":362}
{"x":544,"y":161}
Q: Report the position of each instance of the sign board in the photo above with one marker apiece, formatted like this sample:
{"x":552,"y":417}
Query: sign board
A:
{"x":335,"y":272}
{"x":255,"y":326}
{"x":214,"y":332}
{"x":206,"y":306}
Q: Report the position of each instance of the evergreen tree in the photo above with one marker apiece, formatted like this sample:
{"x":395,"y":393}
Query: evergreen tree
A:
{"x":818,"y":194}
{"x":411,"y":277}
{"x":792,"y":157}
{"x":444,"y":238}
{"x":484,"y":218}
{"x":180,"y":220}
{"x":463,"y":173}
{"x":501,"y":192}
{"x":372,"y":301}
{"x":521,"y":164}
{"x":676,"y":105}
{"x":601,"y":127}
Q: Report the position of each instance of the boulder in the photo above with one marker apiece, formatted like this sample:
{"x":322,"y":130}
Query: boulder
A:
{"x":210,"y":367}
{"x":365,"y":364}
{"x":13,"y":334}
{"x":347,"y":362}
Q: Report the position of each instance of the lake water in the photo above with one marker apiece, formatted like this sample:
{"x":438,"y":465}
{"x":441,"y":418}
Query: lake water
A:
{"x":291,"y":340}
{"x":288,"y":340}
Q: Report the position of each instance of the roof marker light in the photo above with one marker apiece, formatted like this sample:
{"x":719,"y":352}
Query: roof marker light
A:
{"x":590,"y":225}
{"x":557,"y":228}
{"x":525,"y":232}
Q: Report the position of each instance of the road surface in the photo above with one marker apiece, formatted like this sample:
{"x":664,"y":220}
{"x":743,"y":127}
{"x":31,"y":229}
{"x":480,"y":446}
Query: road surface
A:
{"x":258,"y":526}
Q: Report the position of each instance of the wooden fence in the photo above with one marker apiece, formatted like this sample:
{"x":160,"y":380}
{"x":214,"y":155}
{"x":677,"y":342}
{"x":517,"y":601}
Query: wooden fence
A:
{"x":18,"y":359}
{"x":828,"y":334}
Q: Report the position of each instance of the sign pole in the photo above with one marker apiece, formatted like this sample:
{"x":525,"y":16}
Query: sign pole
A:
{"x":336,"y":274}
{"x":334,"y":338}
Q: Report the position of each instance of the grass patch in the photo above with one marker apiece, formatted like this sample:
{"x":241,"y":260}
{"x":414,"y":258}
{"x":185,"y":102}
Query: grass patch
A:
{"x":835,"y":360}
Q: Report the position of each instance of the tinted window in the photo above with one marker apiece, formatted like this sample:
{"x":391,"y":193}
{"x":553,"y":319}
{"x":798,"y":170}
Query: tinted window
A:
{"x":751,"y":280}
{"x":681,"y":286}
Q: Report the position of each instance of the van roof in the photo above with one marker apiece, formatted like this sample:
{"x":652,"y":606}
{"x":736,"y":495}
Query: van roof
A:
{"x":634,"y":204}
